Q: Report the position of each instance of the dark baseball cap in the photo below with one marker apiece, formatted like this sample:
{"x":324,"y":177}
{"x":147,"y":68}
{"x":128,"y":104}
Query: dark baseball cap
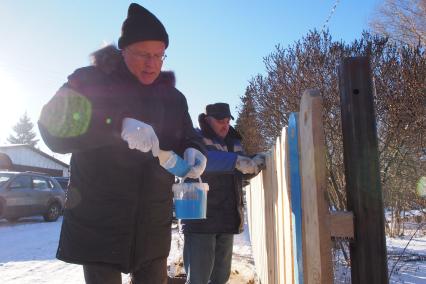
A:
{"x":219,"y":111}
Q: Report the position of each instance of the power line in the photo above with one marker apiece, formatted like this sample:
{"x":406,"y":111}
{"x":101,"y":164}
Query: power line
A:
{"x":333,"y":9}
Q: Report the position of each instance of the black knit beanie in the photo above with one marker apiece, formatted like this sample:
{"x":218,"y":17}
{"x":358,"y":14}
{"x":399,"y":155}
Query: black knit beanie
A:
{"x":141,"y":25}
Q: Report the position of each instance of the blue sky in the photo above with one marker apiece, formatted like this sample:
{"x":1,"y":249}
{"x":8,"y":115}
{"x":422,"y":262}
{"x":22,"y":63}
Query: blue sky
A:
{"x":215,"y":48}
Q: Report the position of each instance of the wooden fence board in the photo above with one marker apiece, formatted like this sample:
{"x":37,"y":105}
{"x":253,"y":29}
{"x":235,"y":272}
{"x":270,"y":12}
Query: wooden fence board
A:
{"x":317,"y":240}
{"x":287,"y":241}
{"x":295,"y":187}
{"x":280,"y":215}
{"x":256,"y":207}
{"x":270,"y":189}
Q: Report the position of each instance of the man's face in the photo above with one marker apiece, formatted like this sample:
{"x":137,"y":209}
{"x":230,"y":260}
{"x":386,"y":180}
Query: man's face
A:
{"x":219,"y":126}
{"x":145,"y":59}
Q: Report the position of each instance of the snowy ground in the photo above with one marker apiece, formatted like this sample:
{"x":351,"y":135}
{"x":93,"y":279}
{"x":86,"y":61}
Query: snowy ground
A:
{"x":28,"y":248}
{"x":27,"y":255}
{"x":406,"y":258}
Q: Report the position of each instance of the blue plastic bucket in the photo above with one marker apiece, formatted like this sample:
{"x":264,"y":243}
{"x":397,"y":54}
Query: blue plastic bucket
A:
{"x":190,"y":200}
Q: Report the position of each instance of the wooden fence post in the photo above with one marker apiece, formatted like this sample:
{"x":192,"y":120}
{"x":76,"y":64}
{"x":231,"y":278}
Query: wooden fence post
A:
{"x":368,"y":252}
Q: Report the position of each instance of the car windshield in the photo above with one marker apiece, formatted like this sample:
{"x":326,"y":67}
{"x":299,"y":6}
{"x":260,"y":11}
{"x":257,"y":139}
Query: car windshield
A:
{"x":4,"y":177}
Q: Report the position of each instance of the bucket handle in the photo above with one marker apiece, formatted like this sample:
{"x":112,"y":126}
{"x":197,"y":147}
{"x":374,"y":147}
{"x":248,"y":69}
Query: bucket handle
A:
{"x":181,"y":180}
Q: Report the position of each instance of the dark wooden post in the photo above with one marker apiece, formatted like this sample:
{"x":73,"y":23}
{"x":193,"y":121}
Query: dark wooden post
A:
{"x":364,"y":195}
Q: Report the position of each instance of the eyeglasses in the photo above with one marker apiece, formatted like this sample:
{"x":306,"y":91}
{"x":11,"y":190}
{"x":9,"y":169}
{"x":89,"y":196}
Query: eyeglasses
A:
{"x":146,"y":56}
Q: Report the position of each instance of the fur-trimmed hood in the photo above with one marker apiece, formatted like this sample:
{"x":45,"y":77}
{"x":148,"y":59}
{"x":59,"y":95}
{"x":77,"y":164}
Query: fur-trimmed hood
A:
{"x":110,"y":60}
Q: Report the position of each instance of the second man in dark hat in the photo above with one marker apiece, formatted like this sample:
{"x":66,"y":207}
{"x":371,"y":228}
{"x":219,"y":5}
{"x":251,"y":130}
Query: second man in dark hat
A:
{"x":209,"y":242}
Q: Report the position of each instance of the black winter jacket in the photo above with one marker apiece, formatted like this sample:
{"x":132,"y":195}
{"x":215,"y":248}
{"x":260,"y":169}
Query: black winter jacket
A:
{"x":119,"y":201}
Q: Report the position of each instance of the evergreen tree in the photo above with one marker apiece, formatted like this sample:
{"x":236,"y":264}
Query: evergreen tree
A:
{"x":24,"y":132}
{"x":248,"y":126}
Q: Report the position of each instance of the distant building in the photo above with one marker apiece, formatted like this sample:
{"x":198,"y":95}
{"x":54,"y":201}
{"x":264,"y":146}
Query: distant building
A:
{"x":22,"y":157}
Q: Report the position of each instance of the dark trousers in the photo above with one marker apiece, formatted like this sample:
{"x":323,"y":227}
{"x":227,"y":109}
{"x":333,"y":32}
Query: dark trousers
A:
{"x":207,"y":258}
{"x":151,"y":272}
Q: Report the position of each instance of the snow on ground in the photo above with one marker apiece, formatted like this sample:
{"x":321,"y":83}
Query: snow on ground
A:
{"x":407,"y":266}
{"x":28,"y":248}
{"x":406,"y":259}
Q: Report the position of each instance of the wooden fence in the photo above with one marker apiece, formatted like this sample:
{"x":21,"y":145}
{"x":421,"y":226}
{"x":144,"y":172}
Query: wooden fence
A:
{"x":275,"y":202}
{"x":290,"y":224}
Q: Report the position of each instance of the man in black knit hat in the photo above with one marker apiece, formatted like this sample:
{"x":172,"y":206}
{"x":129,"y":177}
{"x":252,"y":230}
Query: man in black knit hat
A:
{"x":114,"y":117}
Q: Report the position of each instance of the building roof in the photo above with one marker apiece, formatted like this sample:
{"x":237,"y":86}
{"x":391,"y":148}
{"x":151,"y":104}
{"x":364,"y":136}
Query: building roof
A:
{"x":36,"y":151}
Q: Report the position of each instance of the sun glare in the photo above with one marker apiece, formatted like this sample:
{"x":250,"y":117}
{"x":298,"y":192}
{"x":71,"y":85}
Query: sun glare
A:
{"x":11,"y":101}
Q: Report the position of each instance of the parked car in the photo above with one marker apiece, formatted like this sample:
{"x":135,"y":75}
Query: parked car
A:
{"x":63,"y":181}
{"x":28,"y":194}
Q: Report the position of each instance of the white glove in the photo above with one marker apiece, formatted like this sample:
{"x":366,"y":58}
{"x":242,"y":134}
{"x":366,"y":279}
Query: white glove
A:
{"x":246,"y":165}
{"x":260,"y":160}
{"x":140,"y":136}
{"x":196,"y":160}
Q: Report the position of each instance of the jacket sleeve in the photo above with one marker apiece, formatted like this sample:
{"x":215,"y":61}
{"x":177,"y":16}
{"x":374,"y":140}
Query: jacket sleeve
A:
{"x":73,"y":121}
{"x":220,"y":162}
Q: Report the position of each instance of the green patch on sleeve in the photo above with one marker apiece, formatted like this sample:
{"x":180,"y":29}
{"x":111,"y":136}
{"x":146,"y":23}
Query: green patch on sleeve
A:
{"x":68,"y":114}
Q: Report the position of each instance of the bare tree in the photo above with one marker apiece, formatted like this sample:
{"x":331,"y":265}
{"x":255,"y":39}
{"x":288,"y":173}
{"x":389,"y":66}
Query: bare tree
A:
{"x":402,"y":20}
{"x":399,"y":72}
